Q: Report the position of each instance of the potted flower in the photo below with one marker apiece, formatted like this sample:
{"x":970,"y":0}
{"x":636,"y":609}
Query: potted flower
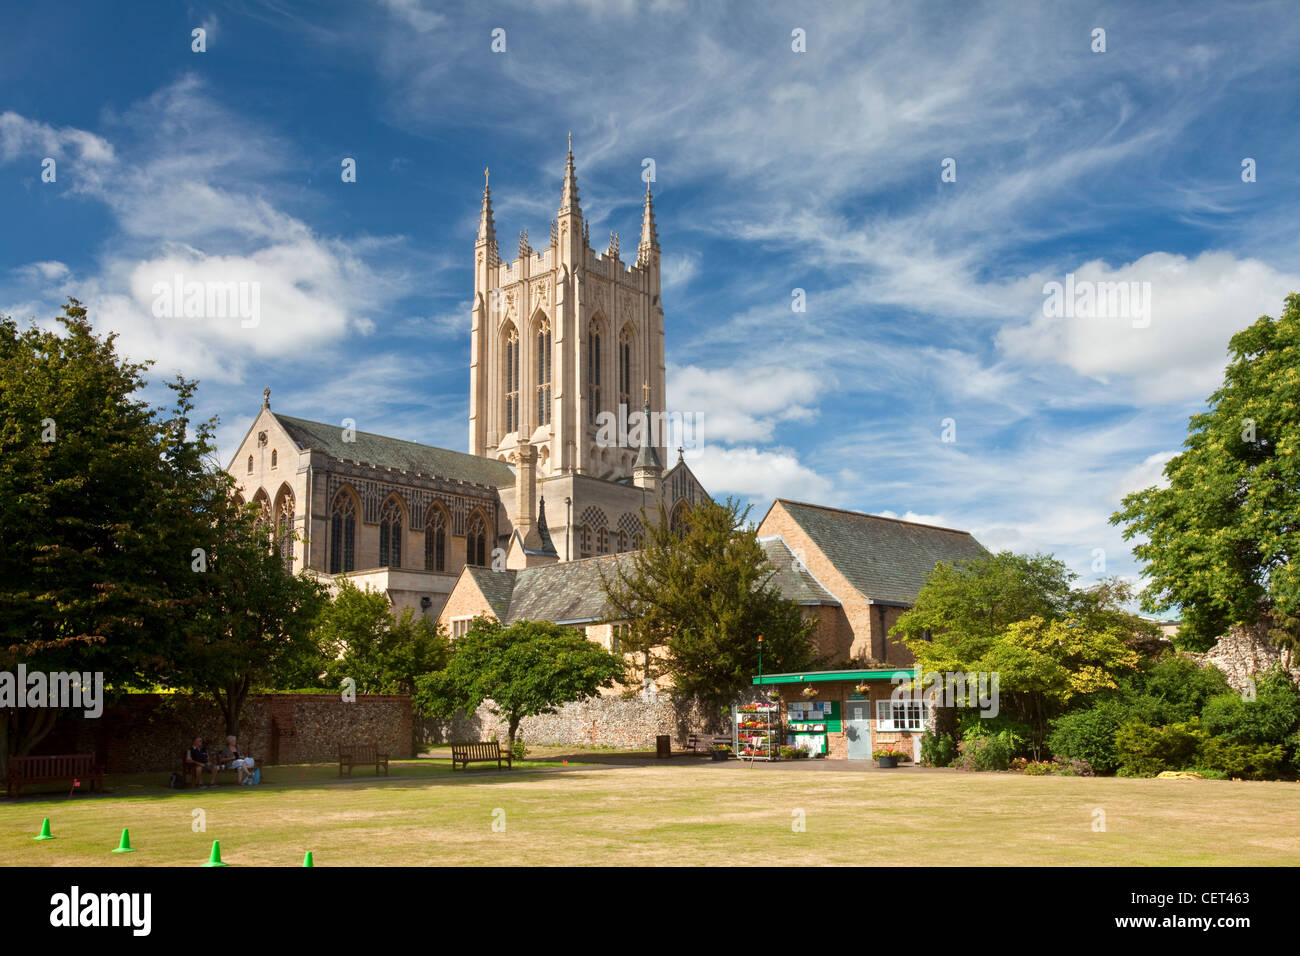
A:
{"x":720,"y":752}
{"x":889,"y":758}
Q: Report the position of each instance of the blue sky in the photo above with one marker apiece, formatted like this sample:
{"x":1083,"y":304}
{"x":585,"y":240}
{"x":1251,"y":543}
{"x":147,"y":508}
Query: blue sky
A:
{"x":775,"y":170}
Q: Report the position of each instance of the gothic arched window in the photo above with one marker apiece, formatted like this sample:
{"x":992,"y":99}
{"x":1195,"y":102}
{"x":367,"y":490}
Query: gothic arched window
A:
{"x":625,"y":368}
{"x":677,"y":521}
{"x":284,"y":522}
{"x":543,"y":372}
{"x":595,"y":532}
{"x":390,"y":535}
{"x":435,"y":539}
{"x":512,"y":380}
{"x":593,"y":373}
{"x":476,"y":542}
{"x":343,"y":534}
{"x":250,"y":464}
{"x":275,"y":457}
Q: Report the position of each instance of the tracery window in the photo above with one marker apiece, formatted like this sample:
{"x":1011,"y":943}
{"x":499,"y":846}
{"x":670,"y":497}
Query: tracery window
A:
{"x":390,"y":535}
{"x":435,"y":540}
{"x":343,"y":534}
{"x":593,"y":374}
{"x":512,"y":380}
{"x":476,"y":542}
{"x":625,"y":368}
{"x":544,"y":372}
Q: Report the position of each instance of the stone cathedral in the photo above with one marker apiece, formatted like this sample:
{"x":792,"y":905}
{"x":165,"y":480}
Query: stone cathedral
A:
{"x":561,"y":339}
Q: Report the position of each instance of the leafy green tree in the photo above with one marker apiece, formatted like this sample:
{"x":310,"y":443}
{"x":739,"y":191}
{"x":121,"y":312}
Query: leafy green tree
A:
{"x":1219,"y":539}
{"x":1270,"y":718}
{"x":1089,"y":734}
{"x":526,"y":669}
{"x":1017,"y":616}
{"x":1170,"y":690}
{"x":98,"y":509}
{"x":703,"y":594}
{"x":383,"y":654}
{"x":256,"y":615}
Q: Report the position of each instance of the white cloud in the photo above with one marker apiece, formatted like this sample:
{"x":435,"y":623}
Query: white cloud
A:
{"x":24,"y":137}
{"x":1196,"y":305}
{"x":741,"y":404}
{"x":757,"y":474}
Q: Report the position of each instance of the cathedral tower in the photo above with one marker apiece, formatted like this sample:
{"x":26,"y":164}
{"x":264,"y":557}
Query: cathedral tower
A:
{"x":559,"y":335}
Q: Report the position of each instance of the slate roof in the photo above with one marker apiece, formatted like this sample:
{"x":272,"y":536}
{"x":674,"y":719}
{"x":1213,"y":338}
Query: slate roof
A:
{"x":885,"y":559}
{"x":569,"y":591}
{"x":572,"y":590}
{"x":791,"y":578}
{"x":384,"y":452}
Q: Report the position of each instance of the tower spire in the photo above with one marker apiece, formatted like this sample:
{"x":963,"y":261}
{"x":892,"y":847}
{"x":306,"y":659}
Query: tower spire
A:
{"x":487,"y":231}
{"x":649,"y":234}
{"x":569,"y":195}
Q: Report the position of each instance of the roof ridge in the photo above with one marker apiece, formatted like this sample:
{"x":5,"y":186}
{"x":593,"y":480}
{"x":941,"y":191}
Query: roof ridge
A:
{"x":865,"y":514}
{"x":405,"y":441}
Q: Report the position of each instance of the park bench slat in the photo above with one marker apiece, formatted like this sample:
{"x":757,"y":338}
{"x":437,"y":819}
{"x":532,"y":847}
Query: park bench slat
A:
{"x":478,"y":751}
{"x":352,"y":754}
{"x":49,"y":769}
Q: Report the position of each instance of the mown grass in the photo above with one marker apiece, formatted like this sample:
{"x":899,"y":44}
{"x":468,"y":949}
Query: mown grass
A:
{"x":686,"y":812}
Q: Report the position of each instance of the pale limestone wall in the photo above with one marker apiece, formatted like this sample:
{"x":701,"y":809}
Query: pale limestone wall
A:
{"x":266,"y":441}
{"x":1244,"y":652}
{"x":605,"y":721}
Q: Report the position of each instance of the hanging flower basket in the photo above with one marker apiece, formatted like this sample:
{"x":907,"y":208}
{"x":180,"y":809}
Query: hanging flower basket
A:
{"x":809,"y":692}
{"x":774,"y":694}
{"x":862,"y":688}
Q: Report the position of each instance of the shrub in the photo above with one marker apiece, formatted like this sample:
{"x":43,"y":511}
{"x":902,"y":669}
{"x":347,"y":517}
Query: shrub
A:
{"x":519,"y":751}
{"x":1072,"y":767}
{"x":937,"y":751}
{"x":1089,"y":735}
{"x":1144,"y":751}
{"x":1031,"y":768}
{"x":1268,"y":719}
{"x":1172,"y":690}
{"x":978,"y":752}
{"x":1248,"y":761}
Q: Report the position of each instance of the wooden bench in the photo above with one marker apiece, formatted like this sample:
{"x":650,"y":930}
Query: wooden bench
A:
{"x":187,"y":771}
{"x":702,"y":743}
{"x":464,"y":754}
{"x":365,"y":754}
{"x":69,"y":767}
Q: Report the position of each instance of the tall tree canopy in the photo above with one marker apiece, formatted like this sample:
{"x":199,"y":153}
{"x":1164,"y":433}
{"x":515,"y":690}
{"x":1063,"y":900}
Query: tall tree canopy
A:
{"x":1018,"y":617}
{"x":254,"y":619}
{"x":526,"y":669}
{"x":97,"y":512}
{"x":1218,"y":541}
{"x":702,"y":593}
{"x":362,"y":639}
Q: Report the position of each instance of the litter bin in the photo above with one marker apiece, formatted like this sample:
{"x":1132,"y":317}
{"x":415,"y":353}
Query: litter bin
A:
{"x":663,"y":746}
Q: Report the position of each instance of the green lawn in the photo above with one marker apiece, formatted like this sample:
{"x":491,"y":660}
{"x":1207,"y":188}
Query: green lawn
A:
{"x":686,"y":812}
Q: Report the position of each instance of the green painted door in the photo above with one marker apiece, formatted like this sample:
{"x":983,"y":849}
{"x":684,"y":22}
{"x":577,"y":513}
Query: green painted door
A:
{"x":857,"y":728}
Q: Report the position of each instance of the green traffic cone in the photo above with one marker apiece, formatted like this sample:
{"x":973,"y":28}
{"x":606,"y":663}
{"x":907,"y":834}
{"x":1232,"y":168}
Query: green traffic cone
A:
{"x":215,"y":858}
{"x":45,"y":833}
{"x":124,"y":845}
{"x":306,"y":860}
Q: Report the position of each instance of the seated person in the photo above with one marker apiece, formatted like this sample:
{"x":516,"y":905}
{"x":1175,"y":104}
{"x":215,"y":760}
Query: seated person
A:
{"x":196,"y":761}
{"x":243,"y":765}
